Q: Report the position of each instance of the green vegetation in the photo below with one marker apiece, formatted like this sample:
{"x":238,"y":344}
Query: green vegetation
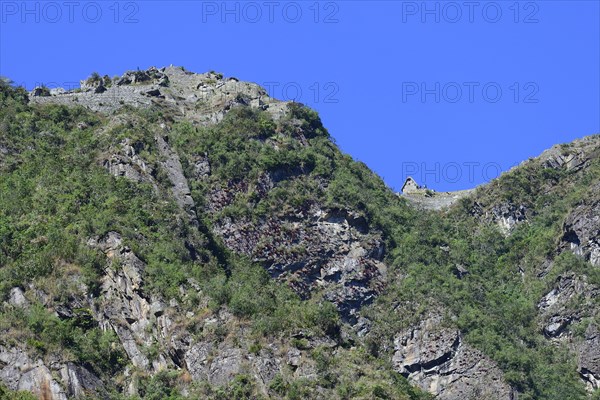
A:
{"x":302,"y":156}
{"x":47,"y":334}
{"x":55,"y":194}
{"x":6,"y":394}
{"x":495,"y":305}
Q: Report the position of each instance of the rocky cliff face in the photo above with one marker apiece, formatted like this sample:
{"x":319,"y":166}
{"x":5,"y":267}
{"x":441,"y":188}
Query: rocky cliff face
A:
{"x":350,"y":274}
{"x":433,"y":355}
{"x":582,"y":229}
{"x":165,"y":313}
{"x":568,"y":312}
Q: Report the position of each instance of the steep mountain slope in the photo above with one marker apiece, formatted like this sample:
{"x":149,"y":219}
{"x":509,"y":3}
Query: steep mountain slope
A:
{"x":167,"y":234}
{"x":502,"y":265}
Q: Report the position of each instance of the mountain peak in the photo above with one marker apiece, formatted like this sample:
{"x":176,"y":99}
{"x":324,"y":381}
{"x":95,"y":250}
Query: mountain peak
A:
{"x":202,"y":98}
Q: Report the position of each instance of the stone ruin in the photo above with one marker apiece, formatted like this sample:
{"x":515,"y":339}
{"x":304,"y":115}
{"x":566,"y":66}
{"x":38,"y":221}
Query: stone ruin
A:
{"x":411,"y":187}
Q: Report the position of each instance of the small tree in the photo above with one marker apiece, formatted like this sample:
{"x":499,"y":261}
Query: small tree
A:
{"x":94,"y":78}
{"x":42,"y":91}
{"x":4,"y":81}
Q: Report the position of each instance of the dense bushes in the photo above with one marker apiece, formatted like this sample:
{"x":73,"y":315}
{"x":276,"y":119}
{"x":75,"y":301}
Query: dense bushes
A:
{"x":6,"y":394}
{"x":78,"y":339}
{"x":307,"y":171}
{"x":251,"y":294}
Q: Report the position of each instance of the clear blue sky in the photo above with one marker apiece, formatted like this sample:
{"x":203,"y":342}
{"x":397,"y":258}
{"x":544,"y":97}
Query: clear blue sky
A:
{"x":450,"y":92}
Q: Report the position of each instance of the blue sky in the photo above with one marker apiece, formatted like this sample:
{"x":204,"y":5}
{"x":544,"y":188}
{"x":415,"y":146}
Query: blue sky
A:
{"x":449,"y":92}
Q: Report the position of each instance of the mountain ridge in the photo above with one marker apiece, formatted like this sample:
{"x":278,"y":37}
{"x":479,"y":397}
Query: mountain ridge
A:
{"x":215,"y":243}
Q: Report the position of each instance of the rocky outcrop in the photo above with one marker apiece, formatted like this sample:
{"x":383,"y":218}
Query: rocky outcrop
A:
{"x":581,"y":229}
{"x":507,"y":216}
{"x":332,"y":252}
{"x":568,"y":311}
{"x":155,"y":335}
{"x":555,"y":304}
{"x":214,"y":363}
{"x":573,"y":156}
{"x":200,"y":98}
{"x":433,"y":356}
{"x":142,"y":322}
{"x":138,"y":319}
{"x":126,"y":162}
{"x":314,"y":249}
{"x":317,"y":250}
{"x":17,"y":298}
{"x":180,"y":188}
{"x":202,"y":167}
{"x":588,"y":351}
{"x":569,"y":304}
{"x":58,"y":381}
{"x":20,"y":372}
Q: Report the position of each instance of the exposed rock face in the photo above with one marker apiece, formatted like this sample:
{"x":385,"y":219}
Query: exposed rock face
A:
{"x":201,"y":98}
{"x":202,"y":168}
{"x":508,"y":216}
{"x":589,"y":357}
{"x":40,"y":92}
{"x":313,"y":248}
{"x":568,"y":303}
{"x":334,"y":251}
{"x":180,"y":188}
{"x":570,"y":157}
{"x":573,"y":156}
{"x":141,"y":322}
{"x":215,"y":364}
{"x":20,"y":372}
{"x":81,"y":383}
{"x":434,"y":357}
{"x":566,"y":288}
{"x":17,"y":298}
{"x":59,"y":382}
{"x":571,"y":303}
{"x":582,"y":229}
{"x":124,"y":307}
{"x":127,"y":163}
